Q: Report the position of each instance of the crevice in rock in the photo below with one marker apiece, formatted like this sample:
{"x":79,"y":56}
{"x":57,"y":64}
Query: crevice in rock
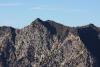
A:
{"x":13,"y":33}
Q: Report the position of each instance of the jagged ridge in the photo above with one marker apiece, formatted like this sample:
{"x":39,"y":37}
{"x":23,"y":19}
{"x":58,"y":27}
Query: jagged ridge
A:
{"x":50,"y":44}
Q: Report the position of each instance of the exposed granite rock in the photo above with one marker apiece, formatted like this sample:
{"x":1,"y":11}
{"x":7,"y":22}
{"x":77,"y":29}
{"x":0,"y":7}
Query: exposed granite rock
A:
{"x":49,"y":44}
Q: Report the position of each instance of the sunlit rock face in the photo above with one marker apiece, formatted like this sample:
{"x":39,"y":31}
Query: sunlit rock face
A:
{"x":49,"y":44}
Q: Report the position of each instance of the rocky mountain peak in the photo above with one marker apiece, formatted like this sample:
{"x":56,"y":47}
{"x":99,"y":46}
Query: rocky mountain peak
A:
{"x":38,"y":20}
{"x":50,"y":44}
{"x":91,"y":25}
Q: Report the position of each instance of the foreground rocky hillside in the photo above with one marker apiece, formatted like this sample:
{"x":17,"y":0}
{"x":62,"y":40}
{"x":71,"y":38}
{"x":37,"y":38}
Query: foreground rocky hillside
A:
{"x":49,"y":44}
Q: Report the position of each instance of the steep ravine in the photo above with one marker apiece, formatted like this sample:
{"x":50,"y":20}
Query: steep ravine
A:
{"x":50,"y":44}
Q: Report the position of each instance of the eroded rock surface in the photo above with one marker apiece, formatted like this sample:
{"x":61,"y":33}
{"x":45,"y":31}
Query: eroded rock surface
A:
{"x":49,"y":44}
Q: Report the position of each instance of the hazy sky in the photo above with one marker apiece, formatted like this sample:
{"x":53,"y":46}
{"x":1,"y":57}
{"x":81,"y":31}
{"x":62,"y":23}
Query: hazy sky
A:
{"x":20,"y":13}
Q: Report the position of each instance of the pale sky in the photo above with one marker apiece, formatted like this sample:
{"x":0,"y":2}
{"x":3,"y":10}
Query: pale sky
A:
{"x":20,"y":13}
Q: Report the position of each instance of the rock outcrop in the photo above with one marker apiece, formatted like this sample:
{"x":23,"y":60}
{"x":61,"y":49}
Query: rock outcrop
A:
{"x":50,"y":44}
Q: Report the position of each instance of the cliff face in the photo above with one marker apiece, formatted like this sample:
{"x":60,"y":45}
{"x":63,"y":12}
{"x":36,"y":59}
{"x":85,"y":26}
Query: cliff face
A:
{"x":49,"y":44}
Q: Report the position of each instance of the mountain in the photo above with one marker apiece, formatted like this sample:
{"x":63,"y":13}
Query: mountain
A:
{"x":50,"y":44}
